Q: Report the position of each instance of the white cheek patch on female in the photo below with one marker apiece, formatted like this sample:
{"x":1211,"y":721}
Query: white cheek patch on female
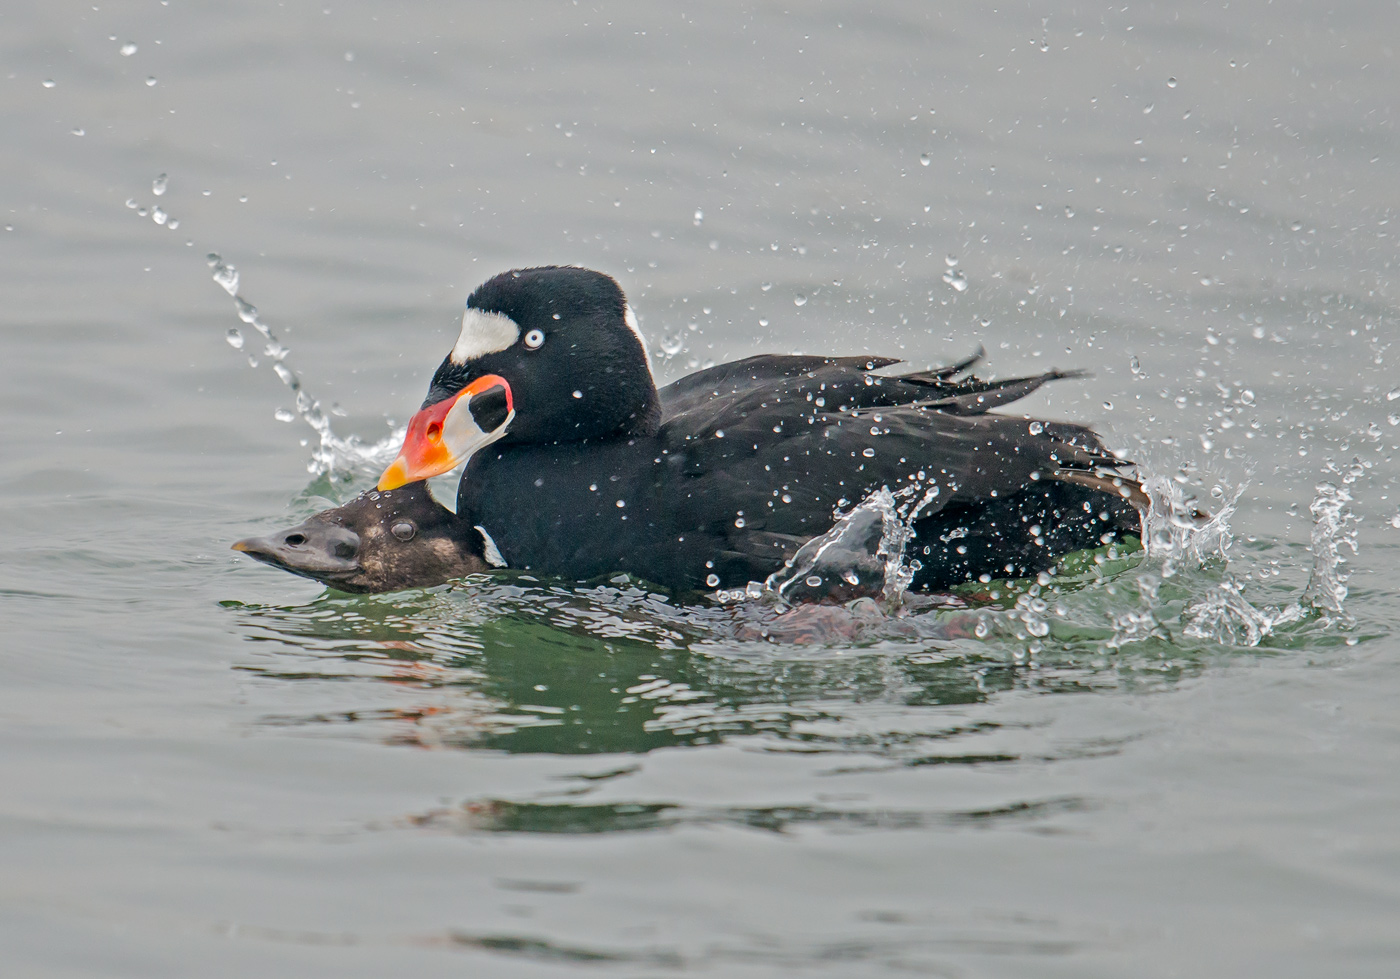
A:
{"x":483,"y":333}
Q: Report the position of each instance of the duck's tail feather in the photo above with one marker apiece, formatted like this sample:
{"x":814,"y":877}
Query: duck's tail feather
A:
{"x":1107,"y":481}
{"x":973,"y":396}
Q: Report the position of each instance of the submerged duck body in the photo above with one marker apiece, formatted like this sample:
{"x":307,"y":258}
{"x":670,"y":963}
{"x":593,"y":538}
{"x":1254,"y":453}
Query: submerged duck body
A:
{"x":577,"y":466}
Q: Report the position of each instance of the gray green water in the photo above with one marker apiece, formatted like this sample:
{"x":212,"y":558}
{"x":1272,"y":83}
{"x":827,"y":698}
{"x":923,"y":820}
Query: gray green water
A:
{"x":211,"y":768}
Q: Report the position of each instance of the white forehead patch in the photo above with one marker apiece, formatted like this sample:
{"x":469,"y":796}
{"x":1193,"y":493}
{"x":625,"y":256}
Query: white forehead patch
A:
{"x":482,"y":334}
{"x":630,"y":318}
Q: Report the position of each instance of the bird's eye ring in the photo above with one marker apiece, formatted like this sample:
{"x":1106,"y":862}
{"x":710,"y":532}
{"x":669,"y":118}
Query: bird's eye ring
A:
{"x":534,"y":339}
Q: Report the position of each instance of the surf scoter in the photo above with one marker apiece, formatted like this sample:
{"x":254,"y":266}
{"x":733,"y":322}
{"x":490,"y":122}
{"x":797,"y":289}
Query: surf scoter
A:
{"x":576,"y":466}
{"x":380,"y":541}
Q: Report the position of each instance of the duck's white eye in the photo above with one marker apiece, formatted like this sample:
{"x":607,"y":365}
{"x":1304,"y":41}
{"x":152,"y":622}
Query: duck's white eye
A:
{"x":534,"y":338}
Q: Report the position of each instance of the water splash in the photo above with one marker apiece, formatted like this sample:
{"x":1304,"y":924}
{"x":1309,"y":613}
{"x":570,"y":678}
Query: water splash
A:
{"x":1181,"y":539}
{"x":1177,"y":534}
{"x":1224,"y":615}
{"x":1334,"y":528}
{"x":332,"y":454}
{"x":861,"y":556}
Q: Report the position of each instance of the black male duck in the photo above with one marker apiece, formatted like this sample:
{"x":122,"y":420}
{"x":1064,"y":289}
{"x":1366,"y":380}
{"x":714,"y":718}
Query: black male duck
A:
{"x":577,"y":466}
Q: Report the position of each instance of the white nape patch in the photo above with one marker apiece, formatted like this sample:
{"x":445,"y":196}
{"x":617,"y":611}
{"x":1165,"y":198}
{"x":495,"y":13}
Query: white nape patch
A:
{"x":482,"y":334}
{"x":493,"y":553}
{"x":630,"y":318}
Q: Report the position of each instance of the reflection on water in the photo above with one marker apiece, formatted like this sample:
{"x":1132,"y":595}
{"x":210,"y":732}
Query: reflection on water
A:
{"x":500,"y":816}
{"x":515,"y":664}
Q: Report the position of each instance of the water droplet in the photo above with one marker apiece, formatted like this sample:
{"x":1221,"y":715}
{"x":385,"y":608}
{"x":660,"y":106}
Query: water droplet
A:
{"x":49,"y":83}
{"x":578,"y":394}
{"x":1035,"y":428}
{"x":956,"y":279}
{"x":1296,"y":226}
{"x":1395,"y":521}
{"x":131,"y":203}
{"x":150,"y":81}
{"x":78,"y":131}
{"x":712,"y":580}
{"x":951,"y":261}
{"x":739,"y":522}
{"x":851,"y":578}
{"x":766,"y":286}
{"x":814,"y":581}
{"x":672,"y":345}
{"x":762,"y":321}
{"x":1171,"y":83}
{"x":128,"y":49}
{"x":158,"y":185}
{"x":869,"y":453}
{"x":924,"y":159}
{"x":283,"y":415}
{"x":699,"y":217}
{"x":234,"y":338}
{"x":159,"y":216}
{"x":1069,"y":211}
{"x":787,"y":497}
{"x":1147,"y":109}
{"x":225,"y":275}
{"x":1246,"y":397}
{"x":799,"y":300}
{"x":621,"y":504}
{"x":1233,"y":63}
{"x":1108,"y":406}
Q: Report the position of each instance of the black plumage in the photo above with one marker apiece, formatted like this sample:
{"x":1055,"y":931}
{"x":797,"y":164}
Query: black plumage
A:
{"x":717,"y":479}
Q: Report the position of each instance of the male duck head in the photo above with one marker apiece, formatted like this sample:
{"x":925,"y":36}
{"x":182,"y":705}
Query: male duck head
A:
{"x":545,"y":355}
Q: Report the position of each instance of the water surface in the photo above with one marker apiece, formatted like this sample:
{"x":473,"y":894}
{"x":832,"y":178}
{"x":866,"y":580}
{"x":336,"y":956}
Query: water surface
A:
{"x":214,"y":768}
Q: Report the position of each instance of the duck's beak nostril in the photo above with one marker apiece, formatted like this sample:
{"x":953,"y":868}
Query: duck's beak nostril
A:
{"x":294,"y":540}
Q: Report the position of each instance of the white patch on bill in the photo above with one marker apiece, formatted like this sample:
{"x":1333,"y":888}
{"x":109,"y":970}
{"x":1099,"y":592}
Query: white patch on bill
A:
{"x":630,"y":318}
{"x":483,"y":333}
{"x":462,"y":436}
{"x":493,"y":553}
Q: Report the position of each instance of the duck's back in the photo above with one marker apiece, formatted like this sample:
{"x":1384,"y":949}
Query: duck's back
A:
{"x":752,"y":459}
